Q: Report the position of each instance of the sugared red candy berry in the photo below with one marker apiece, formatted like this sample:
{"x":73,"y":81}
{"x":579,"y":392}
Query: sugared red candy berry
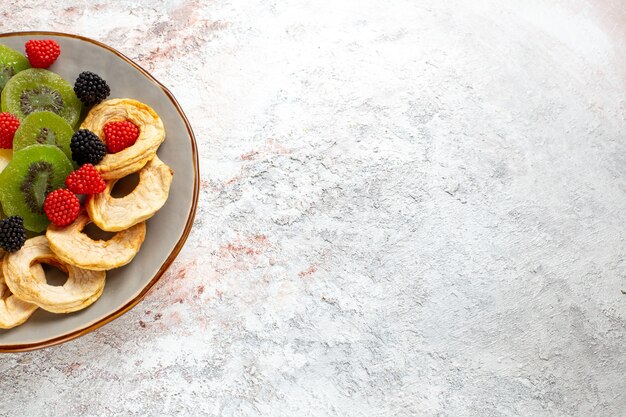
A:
{"x":61,"y":207}
{"x":42,"y":53}
{"x":120,"y":135}
{"x":85,"y":180}
{"x":12,"y":236}
{"x":8,"y":127}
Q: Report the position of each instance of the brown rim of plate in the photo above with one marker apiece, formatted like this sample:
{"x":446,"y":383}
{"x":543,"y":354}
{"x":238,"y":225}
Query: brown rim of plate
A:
{"x":179,"y":245}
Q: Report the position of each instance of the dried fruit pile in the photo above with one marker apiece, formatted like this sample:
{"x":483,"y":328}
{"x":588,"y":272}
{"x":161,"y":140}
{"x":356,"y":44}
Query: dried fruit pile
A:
{"x":58,"y":176}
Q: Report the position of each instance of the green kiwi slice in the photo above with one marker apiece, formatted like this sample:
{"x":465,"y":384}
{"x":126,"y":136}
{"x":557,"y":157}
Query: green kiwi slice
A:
{"x":32,"y":174}
{"x":11,"y":62}
{"x":35,"y":90}
{"x":44,"y":128}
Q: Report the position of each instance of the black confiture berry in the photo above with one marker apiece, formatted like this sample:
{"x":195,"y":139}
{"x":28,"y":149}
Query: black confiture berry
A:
{"x":12,"y":235}
{"x":87,"y":147}
{"x":90,"y":88}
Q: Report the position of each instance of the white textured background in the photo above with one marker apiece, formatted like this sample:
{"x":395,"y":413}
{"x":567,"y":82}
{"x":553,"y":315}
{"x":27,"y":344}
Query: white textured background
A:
{"x":408,"y":208}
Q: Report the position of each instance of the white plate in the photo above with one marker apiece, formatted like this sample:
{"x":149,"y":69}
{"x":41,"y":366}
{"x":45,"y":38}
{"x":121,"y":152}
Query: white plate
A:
{"x":167,"y":230}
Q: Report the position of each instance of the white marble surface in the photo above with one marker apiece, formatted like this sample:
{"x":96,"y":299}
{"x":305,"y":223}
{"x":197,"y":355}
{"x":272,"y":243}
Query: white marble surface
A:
{"x":407,"y":208}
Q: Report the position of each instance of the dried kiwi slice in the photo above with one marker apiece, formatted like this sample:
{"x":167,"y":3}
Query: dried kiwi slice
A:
{"x":11,"y":62}
{"x":31,"y":175}
{"x":44,"y":128}
{"x":35,"y":89}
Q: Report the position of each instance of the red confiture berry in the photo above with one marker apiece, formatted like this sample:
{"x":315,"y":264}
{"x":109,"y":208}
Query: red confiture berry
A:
{"x":85,"y":180}
{"x":61,"y":207}
{"x":120,"y":135}
{"x":8,"y":127}
{"x":42,"y":53}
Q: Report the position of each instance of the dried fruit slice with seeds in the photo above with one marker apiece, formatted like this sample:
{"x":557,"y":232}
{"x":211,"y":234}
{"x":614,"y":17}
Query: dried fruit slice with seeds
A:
{"x":35,"y":90}
{"x":30,"y":176}
{"x":11,"y":62}
{"x":44,"y":128}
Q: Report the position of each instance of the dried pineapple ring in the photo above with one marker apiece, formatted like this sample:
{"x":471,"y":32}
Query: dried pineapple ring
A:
{"x":115,"y":214}
{"x":13,"y":311}
{"x":78,"y":249}
{"x":133,"y":158}
{"x":26,"y":279}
